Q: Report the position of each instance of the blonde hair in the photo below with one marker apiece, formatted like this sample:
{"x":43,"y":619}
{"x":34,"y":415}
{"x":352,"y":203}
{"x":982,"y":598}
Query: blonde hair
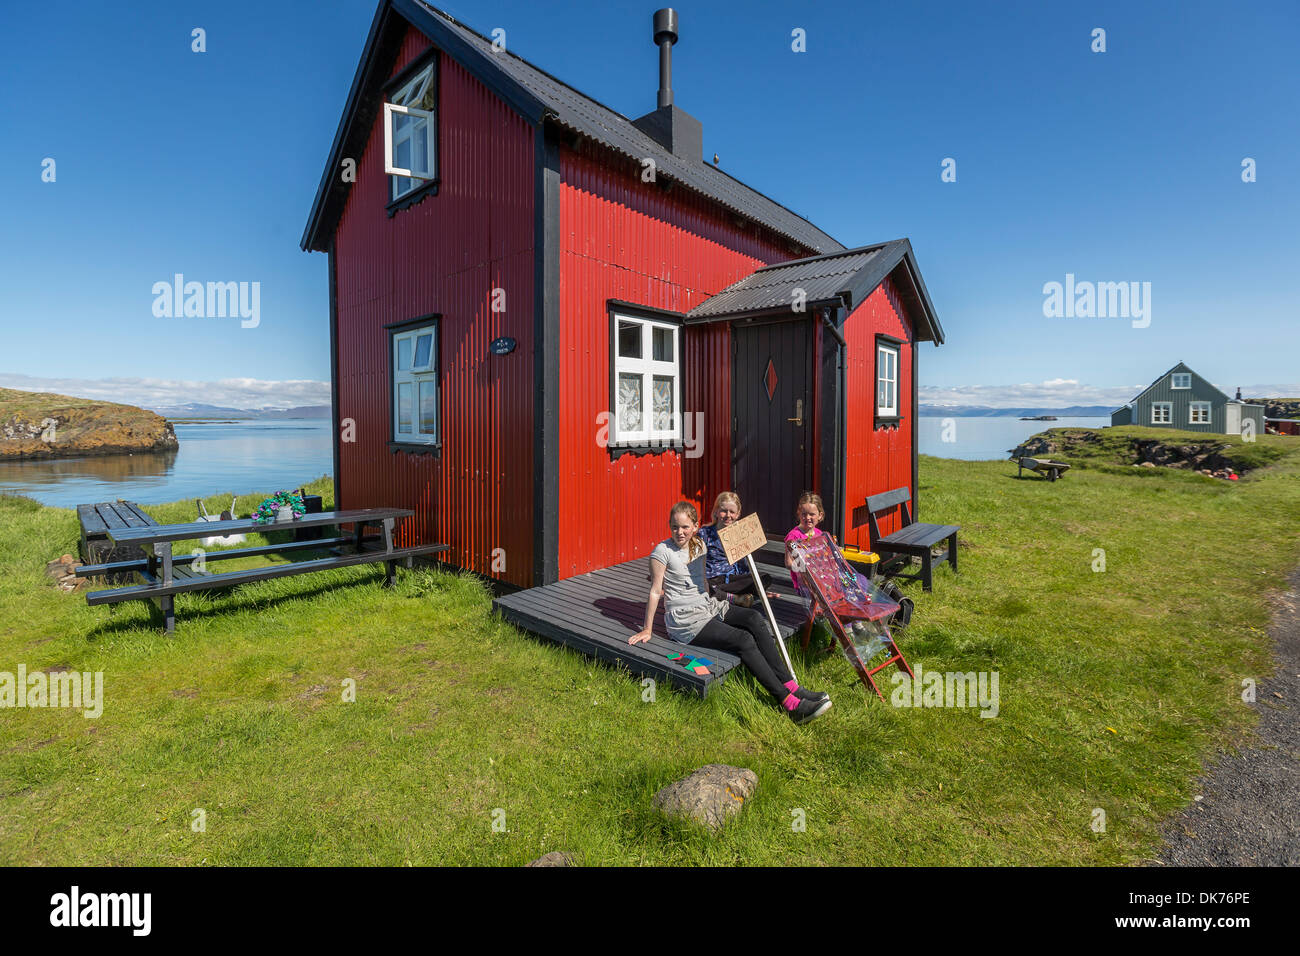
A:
{"x":810,"y":498}
{"x":726,"y":496}
{"x":695,"y":547}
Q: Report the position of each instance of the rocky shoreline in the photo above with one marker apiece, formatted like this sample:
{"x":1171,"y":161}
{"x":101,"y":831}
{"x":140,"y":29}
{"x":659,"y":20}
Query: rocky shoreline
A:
{"x":1205,"y":457}
{"x":39,"y":425}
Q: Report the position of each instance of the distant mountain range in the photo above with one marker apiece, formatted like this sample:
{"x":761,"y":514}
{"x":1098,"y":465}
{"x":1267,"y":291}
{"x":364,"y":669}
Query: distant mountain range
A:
{"x":984,"y":411}
{"x":199,"y":410}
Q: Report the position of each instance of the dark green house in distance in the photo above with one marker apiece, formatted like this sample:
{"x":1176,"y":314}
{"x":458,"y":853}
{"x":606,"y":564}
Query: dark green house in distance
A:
{"x":1180,"y":399}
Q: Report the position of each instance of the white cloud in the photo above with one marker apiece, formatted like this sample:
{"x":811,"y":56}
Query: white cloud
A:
{"x":151,"y":392}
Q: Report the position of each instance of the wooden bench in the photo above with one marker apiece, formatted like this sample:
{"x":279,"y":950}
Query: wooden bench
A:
{"x":913,"y":540}
{"x":1052,"y":469}
{"x":96,"y":548}
{"x":165,"y":575}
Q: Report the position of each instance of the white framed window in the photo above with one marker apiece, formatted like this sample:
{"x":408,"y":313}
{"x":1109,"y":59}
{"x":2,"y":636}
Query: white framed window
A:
{"x":1162,"y":413}
{"x":1181,"y":380}
{"x":646,"y":390}
{"x":410,"y":140}
{"x":1198,"y":413}
{"x":886,"y":380}
{"x":413,"y":354}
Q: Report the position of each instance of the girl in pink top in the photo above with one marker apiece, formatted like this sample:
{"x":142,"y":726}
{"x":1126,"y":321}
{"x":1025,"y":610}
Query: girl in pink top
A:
{"x":810,"y":512}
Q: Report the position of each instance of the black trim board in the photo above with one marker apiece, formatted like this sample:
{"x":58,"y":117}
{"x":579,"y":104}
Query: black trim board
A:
{"x":667,"y":315}
{"x":830,"y":477}
{"x":334,"y":373}
{"x":916,"y":452}
{"x":546,"y":359}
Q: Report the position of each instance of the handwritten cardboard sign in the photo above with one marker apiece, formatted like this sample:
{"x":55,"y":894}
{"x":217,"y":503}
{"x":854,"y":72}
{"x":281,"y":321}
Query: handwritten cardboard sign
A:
{"x":742,"y":537}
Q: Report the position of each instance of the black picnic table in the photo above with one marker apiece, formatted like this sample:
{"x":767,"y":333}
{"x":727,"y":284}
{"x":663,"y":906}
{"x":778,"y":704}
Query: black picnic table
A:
{"x":166,"y":575}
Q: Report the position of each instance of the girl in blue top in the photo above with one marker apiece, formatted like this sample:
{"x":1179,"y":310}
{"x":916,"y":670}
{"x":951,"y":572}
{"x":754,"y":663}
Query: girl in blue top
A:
{"x":728,"y":581}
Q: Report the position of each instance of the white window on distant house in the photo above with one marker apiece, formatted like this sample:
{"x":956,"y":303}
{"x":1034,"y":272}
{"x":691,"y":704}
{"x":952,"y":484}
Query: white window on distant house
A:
{"x":646,"y":389}
{"x":1199,"y":413}
{"x":410,"y":140}
{"x":1181,"y":380}
{"x":886,"y":380}
{"x":1162,"y":413}
{"x":413,"y":352}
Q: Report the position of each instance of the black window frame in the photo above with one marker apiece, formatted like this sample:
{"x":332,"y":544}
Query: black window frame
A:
{"x":430,"y":188}
{"x":632,"y":309}
{"x":887,"y":421}
{"x":391,"y":330}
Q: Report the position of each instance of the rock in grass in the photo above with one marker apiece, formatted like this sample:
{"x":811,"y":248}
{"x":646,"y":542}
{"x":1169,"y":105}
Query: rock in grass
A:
{"x":709,"y":796}
{"x":554,"y":858}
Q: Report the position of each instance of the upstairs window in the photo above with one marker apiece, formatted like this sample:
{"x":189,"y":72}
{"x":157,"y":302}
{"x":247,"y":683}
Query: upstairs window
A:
{"x":1181,"y":380}
{"x":413,"y":352}
{"x":410,"y":141}
{"x":647,"y":386}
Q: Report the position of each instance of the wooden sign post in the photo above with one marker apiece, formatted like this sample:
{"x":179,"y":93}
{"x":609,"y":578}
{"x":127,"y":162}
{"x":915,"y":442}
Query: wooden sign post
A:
{"x":741,"y":539}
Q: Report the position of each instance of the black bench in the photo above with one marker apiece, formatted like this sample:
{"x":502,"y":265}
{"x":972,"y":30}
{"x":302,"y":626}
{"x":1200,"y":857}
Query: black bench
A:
{"x":913,"y":540}
{"x":165,"y":575}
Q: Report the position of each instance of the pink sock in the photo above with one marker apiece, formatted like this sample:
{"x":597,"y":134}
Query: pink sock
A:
{"x":790,"y":702}
{"x":792,"y":685}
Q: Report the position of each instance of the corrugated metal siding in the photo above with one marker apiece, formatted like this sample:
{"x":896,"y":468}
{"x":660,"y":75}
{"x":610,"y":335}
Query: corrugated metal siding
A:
{"x":876,"y":459}
{"x":445,"y":255}
{"x":1162,"y":390}
{"x":624,"y":239}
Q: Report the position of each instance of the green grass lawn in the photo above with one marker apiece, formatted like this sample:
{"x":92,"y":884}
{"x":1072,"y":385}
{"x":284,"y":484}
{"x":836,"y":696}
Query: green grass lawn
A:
{"x":1115,"y":686}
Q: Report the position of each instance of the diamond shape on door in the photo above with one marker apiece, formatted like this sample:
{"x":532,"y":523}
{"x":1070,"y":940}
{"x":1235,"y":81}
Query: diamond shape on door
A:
{"x":769,"y":379}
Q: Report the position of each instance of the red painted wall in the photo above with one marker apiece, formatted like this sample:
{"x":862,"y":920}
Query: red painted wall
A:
{"x":877,"y":459}
{"x":625,"y":239}
{"x":445,"y":255}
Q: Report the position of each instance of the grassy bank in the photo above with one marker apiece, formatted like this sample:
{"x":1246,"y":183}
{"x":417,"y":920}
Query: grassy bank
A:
{"x":1114,"y":686}
{"x":1119,"y":448}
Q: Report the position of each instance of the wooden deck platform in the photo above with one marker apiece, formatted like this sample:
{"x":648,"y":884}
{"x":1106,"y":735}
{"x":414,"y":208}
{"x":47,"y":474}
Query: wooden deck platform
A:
{"x":596,"y":613}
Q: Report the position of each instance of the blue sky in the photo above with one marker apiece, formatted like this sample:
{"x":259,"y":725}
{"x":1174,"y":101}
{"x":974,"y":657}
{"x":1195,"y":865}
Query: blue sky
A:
{"x":1122,"y":166}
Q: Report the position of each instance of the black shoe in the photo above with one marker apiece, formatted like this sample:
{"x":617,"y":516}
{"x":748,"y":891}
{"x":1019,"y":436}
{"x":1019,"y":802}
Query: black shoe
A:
{"x":803,"y":693}
{"x":809,"y":710}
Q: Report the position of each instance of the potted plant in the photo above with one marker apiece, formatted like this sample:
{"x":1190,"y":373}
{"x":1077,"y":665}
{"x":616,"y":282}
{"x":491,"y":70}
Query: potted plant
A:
{"x":279,"y":508}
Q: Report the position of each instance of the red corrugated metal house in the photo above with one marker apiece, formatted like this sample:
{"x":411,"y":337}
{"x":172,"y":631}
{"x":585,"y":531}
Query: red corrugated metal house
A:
{"x":564,"y":320}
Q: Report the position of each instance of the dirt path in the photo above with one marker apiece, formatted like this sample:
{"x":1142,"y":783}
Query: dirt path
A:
{"x":1249,"y":811}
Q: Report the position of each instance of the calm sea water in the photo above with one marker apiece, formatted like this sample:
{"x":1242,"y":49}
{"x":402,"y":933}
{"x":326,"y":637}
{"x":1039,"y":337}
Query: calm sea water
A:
{"x":243,"y":458}
{"x":981,"y":439}
{"x":240,"y":458}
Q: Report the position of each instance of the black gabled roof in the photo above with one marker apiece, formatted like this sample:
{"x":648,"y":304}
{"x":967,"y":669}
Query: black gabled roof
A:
{"x":539,"y":97}
{"x":843,"y":278}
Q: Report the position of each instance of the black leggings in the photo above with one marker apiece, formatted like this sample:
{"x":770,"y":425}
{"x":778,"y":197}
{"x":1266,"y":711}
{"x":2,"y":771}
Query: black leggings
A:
{"x":745,"y":632}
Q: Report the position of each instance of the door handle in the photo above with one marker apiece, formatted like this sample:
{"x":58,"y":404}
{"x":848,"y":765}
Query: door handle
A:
{"x":798,"y":411}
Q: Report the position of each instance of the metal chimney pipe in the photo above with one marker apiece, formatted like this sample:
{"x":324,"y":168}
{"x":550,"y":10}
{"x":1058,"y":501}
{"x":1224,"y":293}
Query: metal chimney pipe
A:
{"x":665,"y":27}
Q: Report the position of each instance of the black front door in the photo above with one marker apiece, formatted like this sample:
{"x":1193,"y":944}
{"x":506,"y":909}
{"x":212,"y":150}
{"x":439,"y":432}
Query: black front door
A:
{"x":772,"y":431}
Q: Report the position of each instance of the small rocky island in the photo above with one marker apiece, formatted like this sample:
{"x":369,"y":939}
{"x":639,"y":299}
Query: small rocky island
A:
{"x":44,"y":425}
